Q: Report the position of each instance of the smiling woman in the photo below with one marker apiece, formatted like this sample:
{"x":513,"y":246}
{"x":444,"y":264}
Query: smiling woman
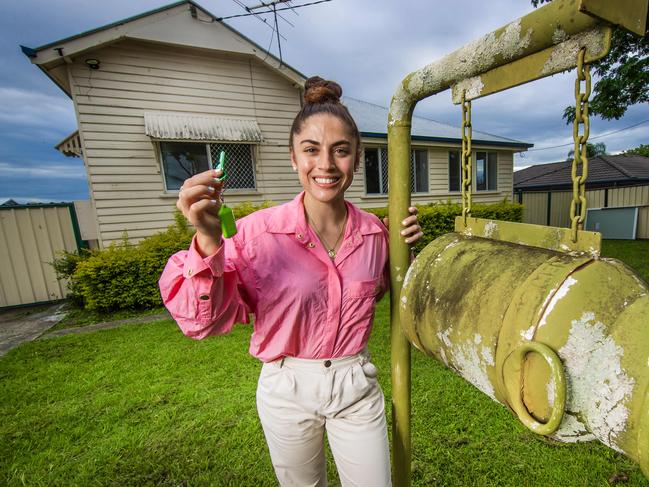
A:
{"x":311,"y":272}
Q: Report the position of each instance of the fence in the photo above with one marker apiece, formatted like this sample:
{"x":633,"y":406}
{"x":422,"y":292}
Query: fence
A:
{"x":553,"y":207}
{"x":30,"y":238}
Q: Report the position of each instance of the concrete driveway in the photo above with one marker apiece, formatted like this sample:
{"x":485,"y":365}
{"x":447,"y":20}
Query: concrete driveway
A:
{"x":25,"y":324}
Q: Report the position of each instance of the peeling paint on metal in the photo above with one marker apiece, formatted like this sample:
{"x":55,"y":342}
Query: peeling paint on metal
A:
{"x":598,"y":386}
{"x":475,"y":57}
{"x":471,"y":361}
{"x":559,"y":35}
{"x":399,"y":278}
{"x":572,"y":430}
{"x":404,"y":300}
{"x":564,"y":55}
{"x":550,"y":387}
{"x":471,"y":86}
{"x":529,"y":333}
{"x":490,"y":228}
{"x":556,"y":297}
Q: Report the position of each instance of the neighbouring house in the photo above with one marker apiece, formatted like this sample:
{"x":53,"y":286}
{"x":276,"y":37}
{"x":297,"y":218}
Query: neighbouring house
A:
{"x":157,"y":96}
{"x":619,"y":181}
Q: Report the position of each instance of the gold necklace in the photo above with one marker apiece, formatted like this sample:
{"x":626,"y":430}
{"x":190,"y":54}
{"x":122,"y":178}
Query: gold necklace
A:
{"x":331,"y":251}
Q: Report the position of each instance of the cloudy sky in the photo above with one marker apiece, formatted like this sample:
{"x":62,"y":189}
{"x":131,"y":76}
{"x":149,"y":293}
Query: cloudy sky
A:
{"x":366,"y":45}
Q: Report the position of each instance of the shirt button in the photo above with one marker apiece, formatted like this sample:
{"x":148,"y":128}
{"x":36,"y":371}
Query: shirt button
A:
{"x":299,"y":236}
{"x":327,"y":363}
{"x":204,"y":297}
{"x":311,"y":245}
{"x":189,"y":272}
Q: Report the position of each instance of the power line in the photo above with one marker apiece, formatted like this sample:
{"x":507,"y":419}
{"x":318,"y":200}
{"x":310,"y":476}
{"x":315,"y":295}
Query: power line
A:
{"x":591,"y":138}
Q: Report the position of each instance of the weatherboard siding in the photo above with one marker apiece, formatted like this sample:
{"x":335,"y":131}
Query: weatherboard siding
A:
{"x":122,"y":161}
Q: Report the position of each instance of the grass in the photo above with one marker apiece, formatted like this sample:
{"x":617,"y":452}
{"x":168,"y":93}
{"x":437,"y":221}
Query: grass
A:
{"x":634,"y":253}
{"x":143,"y":405}
{"x":77,"y":317}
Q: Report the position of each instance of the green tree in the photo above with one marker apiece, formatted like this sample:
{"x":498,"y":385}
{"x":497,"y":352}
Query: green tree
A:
{"x":641,"y":150}
{"x":623,"y":76}
{"x":592,"y":150}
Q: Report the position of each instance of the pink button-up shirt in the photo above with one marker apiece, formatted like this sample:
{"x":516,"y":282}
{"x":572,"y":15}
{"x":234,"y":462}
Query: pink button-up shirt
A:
{"x":305,"y":304}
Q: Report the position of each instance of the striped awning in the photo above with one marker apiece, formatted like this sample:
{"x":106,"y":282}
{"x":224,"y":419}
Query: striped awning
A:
{"x":70,"y":146}
{"x":185,"y":126}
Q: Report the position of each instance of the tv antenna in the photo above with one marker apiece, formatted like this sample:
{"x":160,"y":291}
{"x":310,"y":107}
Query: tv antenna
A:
{"x":272,"y":7}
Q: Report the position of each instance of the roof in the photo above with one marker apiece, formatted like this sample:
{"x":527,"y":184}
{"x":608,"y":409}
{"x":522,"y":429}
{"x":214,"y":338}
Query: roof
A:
{"x":53,"y":54}
{"x":602,"y":171}
{"x":372,"y":121}
{"x":183,"y":126}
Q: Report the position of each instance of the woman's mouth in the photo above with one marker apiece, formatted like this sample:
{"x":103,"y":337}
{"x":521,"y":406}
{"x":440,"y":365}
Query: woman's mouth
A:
{"x":327,"y":182}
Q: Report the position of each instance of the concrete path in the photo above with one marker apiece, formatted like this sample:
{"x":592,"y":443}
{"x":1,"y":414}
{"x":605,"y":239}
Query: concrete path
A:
{"x":21,"y":325}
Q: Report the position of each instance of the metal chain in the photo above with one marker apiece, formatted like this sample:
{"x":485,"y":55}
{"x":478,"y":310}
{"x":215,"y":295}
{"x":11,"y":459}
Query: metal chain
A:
{"x":578,"y":202}
{"x":467,"y":132}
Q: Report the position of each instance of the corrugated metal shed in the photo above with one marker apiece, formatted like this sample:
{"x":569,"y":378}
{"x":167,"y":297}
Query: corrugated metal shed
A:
{"x":185,"y":126}
{"x":372,"y":120}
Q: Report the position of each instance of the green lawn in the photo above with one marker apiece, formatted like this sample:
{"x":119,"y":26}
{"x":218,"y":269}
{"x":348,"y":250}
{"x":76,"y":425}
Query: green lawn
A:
{"x":143,"y":405}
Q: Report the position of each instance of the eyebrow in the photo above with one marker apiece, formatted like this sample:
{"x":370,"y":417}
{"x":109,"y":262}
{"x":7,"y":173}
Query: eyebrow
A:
{"x":315,"y":142}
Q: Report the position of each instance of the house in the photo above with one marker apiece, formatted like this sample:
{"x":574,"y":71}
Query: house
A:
{"x":618,"y":181}
{"x":157,"y":96}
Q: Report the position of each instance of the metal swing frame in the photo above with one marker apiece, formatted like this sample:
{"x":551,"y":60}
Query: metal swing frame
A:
{"x":545,"y":42}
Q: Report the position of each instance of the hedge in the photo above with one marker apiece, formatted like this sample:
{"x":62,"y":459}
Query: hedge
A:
{"x":125,"y":276}
{"x":439,"y":218}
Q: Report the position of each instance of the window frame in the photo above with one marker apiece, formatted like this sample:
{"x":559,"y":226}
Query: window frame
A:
{"x":384,"y":149}
{"x":206,"y":144}
{"x":474,"y":163}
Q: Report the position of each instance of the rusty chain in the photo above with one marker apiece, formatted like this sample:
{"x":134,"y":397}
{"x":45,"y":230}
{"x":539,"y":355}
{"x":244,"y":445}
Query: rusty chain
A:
{"x":467,"y":132}
{"x":578,"y":203}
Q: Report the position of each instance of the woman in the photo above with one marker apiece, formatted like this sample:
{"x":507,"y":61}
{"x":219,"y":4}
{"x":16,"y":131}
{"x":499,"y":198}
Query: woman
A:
{"x":311,"y":272}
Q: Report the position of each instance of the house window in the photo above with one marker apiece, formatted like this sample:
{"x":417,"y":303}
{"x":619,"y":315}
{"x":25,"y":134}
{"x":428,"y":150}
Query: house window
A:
{"x":419,"y":171}
{"x":376,"y":170}
{"x":181,"y":160}
{"x":486,"y":170}
{"x":454,"y":171}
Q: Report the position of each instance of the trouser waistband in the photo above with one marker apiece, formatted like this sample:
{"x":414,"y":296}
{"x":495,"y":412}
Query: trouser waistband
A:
{"x":361,"y":357}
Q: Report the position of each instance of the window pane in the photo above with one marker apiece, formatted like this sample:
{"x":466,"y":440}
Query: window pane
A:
{"x":372,"y":181}
{"x":480,"y":171}
{"x":419,"y":171}
{"x":181,"y":160}
{"x":492,"y":172}
{"x":238,"y":164}
{"x":384,"y":170}
{"x":454,"y":171}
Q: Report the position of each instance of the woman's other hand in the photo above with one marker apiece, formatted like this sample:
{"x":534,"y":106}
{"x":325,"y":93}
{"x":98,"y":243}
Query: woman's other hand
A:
{"x":199,"y":200}
{"x":411,"y":231}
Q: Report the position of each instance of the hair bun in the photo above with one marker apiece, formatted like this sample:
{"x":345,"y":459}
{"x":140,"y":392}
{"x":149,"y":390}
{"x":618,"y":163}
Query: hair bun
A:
{"x":318,"y":90}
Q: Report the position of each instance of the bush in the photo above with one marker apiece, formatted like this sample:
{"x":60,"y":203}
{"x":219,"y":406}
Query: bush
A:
{"x":439,"y":218}
{"x":124,"y":276}
{"x":65,"y":265}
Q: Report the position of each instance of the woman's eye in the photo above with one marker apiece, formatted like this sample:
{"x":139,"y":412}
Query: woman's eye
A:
{"x":310,"y":150}
{"x":342,"y":151}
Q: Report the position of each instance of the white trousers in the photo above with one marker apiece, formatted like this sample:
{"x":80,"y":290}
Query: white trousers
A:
{"x":298,"y":399}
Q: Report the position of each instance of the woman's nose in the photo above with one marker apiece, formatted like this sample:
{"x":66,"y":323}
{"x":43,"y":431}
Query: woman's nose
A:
{"x":326,"y":161}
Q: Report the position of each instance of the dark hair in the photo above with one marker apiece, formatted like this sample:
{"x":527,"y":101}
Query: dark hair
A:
{"x":322,"y":96}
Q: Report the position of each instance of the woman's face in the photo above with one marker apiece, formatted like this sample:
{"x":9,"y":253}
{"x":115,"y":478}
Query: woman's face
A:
{"x":325,"y":156}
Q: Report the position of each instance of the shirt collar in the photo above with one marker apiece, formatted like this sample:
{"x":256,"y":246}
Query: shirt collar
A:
{"x":290,"y":218}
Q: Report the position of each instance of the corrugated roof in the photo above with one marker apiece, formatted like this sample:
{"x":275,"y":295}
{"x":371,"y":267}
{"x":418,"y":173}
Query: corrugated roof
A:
{"x":185,"y":126}
{"x":619,"y":169}
{"x":372,"y":120}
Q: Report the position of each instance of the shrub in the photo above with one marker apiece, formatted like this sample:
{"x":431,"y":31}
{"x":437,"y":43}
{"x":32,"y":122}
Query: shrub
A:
{"x":65,"y":265}
{"x":439,"y":218}
{"x":125,"y":276}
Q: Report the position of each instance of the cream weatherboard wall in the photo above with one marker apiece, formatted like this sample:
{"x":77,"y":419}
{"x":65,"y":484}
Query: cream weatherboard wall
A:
{"x":123,"y":164}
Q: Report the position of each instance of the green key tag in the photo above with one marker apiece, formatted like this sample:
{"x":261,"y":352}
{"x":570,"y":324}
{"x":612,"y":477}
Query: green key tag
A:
{"x":228,"y":225}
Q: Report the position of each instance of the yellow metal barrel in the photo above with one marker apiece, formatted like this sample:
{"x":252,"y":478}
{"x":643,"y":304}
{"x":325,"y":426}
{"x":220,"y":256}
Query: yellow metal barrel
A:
{"x":561,"y":339}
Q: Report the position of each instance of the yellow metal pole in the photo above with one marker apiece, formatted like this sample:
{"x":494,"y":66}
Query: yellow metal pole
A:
{"x":398,"y":203}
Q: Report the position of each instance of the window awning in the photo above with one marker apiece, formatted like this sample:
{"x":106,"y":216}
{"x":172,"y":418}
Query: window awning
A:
{"x":70,"y":146}
{"x":185,"y":126}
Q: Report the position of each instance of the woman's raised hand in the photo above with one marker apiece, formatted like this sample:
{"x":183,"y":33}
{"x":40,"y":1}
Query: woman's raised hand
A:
{"x":199,"y":199}
{"x":412,"y":230}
